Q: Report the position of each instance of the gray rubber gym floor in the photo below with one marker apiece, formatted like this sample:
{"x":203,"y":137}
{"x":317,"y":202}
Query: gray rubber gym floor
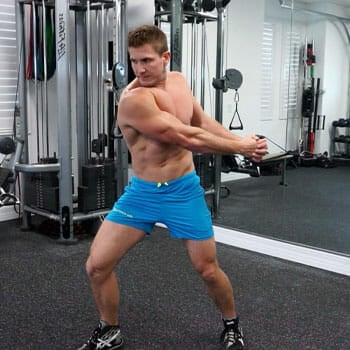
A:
{"x":46,"y":303}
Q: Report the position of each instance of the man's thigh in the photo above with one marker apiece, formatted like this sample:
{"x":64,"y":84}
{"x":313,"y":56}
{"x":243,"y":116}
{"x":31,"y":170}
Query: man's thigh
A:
{"x":201,"y":253}
{"x":112,"y":242}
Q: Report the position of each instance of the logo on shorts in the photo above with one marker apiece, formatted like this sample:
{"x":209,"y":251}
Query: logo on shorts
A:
{"x":122,"y":212}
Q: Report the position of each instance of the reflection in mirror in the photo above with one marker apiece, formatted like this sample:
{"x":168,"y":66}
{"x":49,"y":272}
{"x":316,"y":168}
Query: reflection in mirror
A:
{"x":295,"y":60}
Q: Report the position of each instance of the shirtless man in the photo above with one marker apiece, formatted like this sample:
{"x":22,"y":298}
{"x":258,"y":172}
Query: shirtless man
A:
{"x":162,"y":125}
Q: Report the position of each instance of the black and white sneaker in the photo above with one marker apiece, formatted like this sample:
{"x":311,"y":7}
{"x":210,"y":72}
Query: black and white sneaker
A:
{"x":232,"y":338}
{"x":108,"y":337}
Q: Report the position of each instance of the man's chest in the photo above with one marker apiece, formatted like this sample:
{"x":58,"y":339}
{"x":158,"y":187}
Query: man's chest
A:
{"x":177,"y":102}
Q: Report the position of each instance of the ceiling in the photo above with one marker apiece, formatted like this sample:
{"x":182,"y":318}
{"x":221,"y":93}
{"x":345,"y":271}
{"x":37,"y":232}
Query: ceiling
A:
{"x":345,"y":3}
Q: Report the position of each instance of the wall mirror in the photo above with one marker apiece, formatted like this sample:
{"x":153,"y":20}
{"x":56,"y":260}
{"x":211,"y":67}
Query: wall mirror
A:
{"x":284,"y":48}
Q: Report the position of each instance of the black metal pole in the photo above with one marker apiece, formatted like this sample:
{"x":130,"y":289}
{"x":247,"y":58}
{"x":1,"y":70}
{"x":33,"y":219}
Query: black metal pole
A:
{"x":218,"y":99}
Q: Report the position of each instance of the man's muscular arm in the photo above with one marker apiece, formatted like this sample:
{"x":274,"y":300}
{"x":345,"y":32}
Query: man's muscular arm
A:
{"x":202,"y":120}
{"x":139,"y":110}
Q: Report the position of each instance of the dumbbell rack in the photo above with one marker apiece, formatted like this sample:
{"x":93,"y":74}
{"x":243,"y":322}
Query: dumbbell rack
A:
{"x":340,"y":139}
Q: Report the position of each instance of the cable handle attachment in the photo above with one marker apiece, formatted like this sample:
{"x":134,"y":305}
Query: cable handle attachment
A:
{"x":236,"y":114}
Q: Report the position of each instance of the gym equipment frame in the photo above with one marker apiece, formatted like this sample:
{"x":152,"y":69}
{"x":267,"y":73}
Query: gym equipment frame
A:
{"x":60,"y":171}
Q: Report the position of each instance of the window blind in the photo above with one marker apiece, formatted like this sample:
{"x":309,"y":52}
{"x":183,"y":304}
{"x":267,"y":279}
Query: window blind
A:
{"x":290,"y":78}
{"x":266,"y":102}
{"x":8,"y":65}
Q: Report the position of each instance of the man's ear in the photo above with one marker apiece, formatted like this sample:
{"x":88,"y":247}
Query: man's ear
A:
{"x":166,"y":57}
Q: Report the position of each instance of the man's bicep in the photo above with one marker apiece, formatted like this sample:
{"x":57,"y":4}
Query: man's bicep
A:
{"x":197,"y":115}
{"x":144,"y":115}
{"x":137,"y":110}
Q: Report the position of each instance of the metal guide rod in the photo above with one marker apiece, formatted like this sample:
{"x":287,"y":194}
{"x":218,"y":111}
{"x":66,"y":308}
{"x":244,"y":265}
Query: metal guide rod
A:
{"x":89,"y":76}
{"x":45,"y":99}
{"x":36,"y":98}
{"x":122,"y":57}
{"x":98,"y":42}
{"x":122,"y":32}
{"x":81,"y":92}
{"x":22,"y":97}
{"x":176,"y":35}
{"x":64,"y":118}
{"x":203,"y":62}
{"x":103,"y":69}
{"x":107,"y":87}
{"x":219,"y":97}
{"x":194,"y":60}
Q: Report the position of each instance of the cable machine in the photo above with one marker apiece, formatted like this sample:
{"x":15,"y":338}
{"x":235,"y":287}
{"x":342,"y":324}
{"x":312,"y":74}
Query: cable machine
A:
{"x":89,"y":144}
{"x":85,"y":144}
{"x":179,"y":13}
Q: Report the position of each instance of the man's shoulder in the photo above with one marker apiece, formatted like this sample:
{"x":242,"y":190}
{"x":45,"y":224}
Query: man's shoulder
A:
{"x":135,"y":93}
{"x":175,"y":75}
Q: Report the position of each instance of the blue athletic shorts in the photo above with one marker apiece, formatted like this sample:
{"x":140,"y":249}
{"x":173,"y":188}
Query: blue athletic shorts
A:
{"x":179,"y":204}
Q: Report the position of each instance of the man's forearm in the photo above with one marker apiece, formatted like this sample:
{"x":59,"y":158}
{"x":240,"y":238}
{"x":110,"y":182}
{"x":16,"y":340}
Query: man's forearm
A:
{"x":202,"y":141}
{"x":214,"y":127}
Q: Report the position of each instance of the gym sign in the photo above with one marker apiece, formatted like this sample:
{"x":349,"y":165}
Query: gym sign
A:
{"x":61,"y":42}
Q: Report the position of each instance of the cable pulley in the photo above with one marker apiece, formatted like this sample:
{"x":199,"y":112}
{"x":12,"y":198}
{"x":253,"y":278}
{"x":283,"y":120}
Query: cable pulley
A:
{"x":233,"y":79}
{"x":119,"y":76}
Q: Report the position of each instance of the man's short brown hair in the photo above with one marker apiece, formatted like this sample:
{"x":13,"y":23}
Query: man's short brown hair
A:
{"x":148,"y":34}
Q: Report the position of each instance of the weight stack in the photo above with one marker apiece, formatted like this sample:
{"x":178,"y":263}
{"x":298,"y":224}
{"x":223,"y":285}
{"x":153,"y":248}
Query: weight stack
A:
{"x":205,"y":169}
{"x":98,"y":190}
{"x":42,"y":190}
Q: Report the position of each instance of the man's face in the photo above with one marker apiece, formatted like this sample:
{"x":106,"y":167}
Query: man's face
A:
{"x":149,"y":67}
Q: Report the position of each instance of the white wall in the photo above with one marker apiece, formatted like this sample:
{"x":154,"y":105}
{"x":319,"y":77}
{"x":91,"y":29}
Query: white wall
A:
{"x":336,"y":66}
{"x":243,"y":41}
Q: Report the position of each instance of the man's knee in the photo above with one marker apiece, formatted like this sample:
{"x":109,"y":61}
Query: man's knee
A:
{"x":208,"y":272}
{"x":96,"y":272}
